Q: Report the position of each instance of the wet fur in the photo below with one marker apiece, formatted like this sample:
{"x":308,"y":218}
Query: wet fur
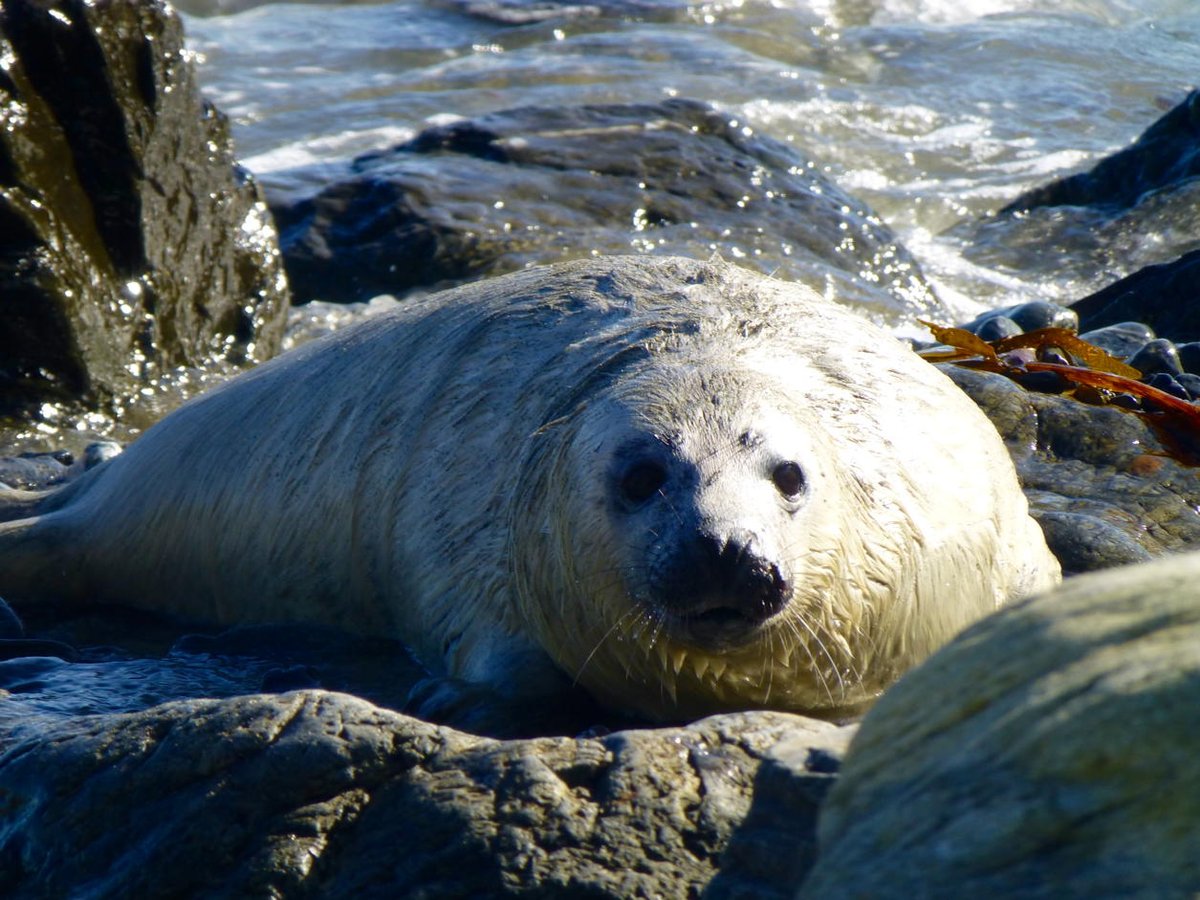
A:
{"x":441,"y":475}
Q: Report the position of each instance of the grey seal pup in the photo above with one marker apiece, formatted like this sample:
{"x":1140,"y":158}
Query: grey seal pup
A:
{"x":681,"y":485}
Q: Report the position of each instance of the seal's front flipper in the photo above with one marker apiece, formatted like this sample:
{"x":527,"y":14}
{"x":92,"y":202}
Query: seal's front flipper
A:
{"x":479,"y":709}
{"x":38,"y":561}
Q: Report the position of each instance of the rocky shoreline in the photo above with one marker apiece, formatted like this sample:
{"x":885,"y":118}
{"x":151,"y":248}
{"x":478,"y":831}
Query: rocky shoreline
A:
{"x":299,"y":788}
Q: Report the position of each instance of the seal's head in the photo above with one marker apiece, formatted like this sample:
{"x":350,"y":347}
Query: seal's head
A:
{"x":705,"y":561}
{"x":729,"y":519}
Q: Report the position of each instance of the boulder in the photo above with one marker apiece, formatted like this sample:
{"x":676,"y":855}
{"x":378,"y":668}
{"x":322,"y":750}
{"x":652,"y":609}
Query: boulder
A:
{"x":1051,"y":750}
{"x":319,"y":794}
{"x":1136,"y":207}
{"x":130,"y":242}
{"x":1163,"y":296}
{"x":539,"y":184}
{"x":1165,"y":155}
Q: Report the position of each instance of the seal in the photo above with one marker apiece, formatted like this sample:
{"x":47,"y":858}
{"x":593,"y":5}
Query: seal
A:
{"x":684,"y":486}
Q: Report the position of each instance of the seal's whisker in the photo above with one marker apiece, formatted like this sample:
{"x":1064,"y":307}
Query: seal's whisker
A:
{"x":807,"y":641}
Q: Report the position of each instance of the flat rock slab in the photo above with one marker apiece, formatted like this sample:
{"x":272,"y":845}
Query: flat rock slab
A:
{"x":1052,"y":750}
{"x":320,"y":794}
{"x":132,"y":243}
{"x":538,"y":185}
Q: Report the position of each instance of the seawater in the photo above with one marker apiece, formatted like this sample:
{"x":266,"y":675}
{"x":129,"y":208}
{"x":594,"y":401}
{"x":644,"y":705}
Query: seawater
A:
{"x":935,"y":112}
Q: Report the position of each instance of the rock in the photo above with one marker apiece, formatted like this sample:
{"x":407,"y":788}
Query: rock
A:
{"x":1101,"y":481}
{"x":1158,"y":355}
{"x":1120,"y":340}
{"x":1051,"y":750}
{"x":1166,"y":154}
{"x":536,"y":185}
{"x":1135,"y":208}
{"x":1162,"y":296}
{"x":995,"y":328}
{"x":325,"y":795}
{"x":130,"y":243}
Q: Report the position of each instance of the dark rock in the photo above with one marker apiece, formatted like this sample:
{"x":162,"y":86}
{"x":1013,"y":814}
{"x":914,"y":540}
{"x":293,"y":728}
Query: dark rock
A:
{"x":995,"y":328}
{"x":1121,"y":340}
{"x":31,"y":471}
{"x":1164,"y":296}
{"x":33,"y":649}
{"x":1105,"y":484}
{"x":130,"y":243}
{"x":1189,"y":356}
{"x":1084,"y":542}
{"x":536,"y":185}
{"x":1042,"y":314}
{"x":1044,"y":382}
{"x":1168,"y":385}
{"x":1191,"y":383}
{"x":1090,"y":227}
{"x":323,"y":795}
{"x":1028,"y":316}
{"x":1166,"y":154}
{"x":1158,"y":355}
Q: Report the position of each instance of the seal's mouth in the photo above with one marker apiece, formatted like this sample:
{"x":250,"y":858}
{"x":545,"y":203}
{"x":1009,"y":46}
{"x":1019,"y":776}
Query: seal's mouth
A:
{"x":724,"y":623}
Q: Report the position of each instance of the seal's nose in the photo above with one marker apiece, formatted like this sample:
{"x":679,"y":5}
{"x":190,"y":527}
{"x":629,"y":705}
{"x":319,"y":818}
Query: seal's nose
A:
{"x":739,"y":578}
{"x":723,"y":585}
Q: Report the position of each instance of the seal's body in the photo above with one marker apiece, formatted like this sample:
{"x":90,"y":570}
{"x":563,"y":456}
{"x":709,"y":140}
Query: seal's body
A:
{"x":687,"y":487}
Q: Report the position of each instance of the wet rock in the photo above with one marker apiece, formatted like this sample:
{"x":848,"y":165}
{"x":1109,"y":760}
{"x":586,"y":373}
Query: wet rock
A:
{"x":1042,"y":314}
{"x":30,"y":471}
{"x":995,"y":328}
{"x":536,"y":185}
{"x":1166,"y":154}
{"x":1189,"y":356}
{"x":1190,"y":383}
{"x":1167,"y":384}
{"x":324,"y":795}
{"x":130,"y":243}
{"x":1028,"y":316}
{"x":1101,"y":481}
{"x":1162,"y":296}
{"x":1135,"y":208}
{"x":1158,"y":355}
{"x":1051,"y":750}
{"x":37,"y":471}
{"x":1121,"y":340}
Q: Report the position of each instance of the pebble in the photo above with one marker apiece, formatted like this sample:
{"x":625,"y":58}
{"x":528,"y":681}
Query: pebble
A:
{"x":1121,"y":340}
{"x":1052,"y":354}
{"x":1043,"y":314}
{"x":1158,"y":355}
{"x":1043,"y":382}
{"x":1190,"y":383}
{"x":1028,"y":316}
{"x":997,"y":328}
{"x":1168,"y":385}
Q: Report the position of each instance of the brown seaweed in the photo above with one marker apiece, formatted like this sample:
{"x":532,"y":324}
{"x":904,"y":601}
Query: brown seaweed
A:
{"x":1102,"y":377}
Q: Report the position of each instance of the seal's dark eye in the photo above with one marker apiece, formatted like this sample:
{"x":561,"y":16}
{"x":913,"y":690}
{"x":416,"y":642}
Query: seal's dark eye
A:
{"x":788,"y":478}
{"x":642,"y":481}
